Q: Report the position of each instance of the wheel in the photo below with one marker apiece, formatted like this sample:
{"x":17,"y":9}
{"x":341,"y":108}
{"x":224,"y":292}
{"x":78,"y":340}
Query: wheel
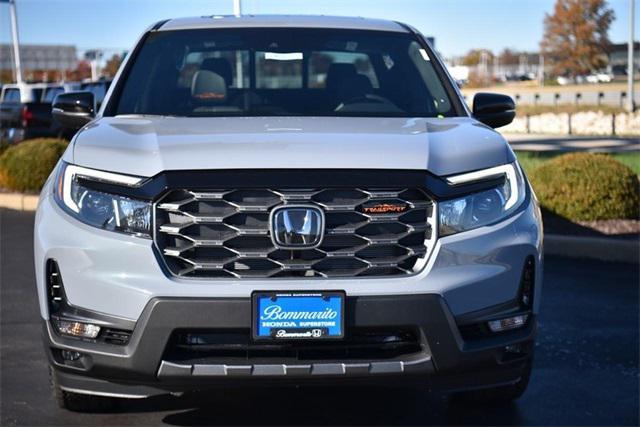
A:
{"x":498,"y":395}
{"x":78,"y":402}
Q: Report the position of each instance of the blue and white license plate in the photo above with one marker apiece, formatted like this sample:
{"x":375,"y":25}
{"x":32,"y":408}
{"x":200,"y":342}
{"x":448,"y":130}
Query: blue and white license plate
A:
{"x":298,"y":315}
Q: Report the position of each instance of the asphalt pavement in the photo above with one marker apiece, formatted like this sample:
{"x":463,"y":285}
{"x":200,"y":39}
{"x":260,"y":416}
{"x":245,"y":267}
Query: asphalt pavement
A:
{"x":586,"y":367}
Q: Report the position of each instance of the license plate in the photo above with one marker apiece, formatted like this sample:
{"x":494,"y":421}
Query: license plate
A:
{"x":298,"y":315}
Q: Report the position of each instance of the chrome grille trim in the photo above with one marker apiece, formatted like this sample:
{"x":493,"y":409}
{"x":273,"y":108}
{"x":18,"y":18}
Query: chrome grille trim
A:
{"x":218,"y":234}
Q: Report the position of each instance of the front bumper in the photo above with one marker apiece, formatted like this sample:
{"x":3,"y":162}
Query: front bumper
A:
{"x":143,"y":367}
{"x":469,"y":277}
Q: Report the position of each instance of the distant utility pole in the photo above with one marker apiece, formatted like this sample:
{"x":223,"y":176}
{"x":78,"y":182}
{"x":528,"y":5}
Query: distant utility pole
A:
{"x":484,"y":66}
{"x":541,"y":69}
{"x":237,"y":11}
{"x":630,"y":65}
{"x":94,"y":56}
{"x":14,"y":37}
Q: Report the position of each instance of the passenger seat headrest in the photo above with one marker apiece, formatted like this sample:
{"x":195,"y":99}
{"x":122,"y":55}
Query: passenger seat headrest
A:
{"x":219,"y":66}
{"x":208,"y":88}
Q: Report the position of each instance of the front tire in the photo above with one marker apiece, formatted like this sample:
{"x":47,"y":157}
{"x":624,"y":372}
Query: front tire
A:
{"x":78,"y":402}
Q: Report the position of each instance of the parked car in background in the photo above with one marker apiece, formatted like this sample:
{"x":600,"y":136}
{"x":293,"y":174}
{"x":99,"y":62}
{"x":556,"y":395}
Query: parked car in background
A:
{"x":21,"y":111}
{"x":98,"y":89}
{"x":54,"y":89}
{"x":599,"y":78}
{"x":25,"y":111}
{"x":269,"y":199}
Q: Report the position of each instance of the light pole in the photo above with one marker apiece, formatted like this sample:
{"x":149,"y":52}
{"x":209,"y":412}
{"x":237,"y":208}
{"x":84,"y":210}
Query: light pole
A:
{"x":94,"y":56}
{"x":14,"y":37}
{"x":237,"y":7}
{"x":630,"y":65}
{"x":541,"y":69}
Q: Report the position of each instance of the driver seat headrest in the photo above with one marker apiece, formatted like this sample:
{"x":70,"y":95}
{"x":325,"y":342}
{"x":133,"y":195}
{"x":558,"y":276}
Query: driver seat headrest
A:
{"x":337,"y":73}
{"x":355,"y":86}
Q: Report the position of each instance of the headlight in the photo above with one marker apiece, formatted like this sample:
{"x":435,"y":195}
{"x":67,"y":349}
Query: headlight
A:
{"x":99,"y":209}
{"x":485,"y":207}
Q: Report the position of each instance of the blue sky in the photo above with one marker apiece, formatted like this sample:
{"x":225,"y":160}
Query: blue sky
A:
{"x":458,"y":25}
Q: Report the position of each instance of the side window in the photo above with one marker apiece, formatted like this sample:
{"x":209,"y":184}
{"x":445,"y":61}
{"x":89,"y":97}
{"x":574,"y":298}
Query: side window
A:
{"x":276,"y":70}
{"x":11,"y":95}
{"x":51,"y":93}
{"x":320,"y":63}
{"x":190,"y":65}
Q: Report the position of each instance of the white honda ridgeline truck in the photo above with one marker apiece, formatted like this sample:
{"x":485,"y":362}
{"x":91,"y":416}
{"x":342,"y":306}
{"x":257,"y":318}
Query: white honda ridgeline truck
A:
{"x":286,"y":199}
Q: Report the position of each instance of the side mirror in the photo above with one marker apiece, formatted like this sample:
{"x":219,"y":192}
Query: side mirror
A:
{"x":493,"y":109}
{"x":72,"y":110}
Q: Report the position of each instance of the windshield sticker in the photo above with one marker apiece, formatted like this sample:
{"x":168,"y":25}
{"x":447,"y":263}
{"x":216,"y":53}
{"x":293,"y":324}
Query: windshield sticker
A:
{"x":351,"y":46}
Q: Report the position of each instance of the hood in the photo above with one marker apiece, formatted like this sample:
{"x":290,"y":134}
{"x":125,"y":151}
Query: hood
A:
{"x":146,"y":146}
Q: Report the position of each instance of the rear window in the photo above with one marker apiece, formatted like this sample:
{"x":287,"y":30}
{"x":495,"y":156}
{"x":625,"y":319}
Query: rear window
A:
{"x":36,"y":95}
{"x":282,"y":72}
{"x":320,"y":63}
{"x":98,"y":89}
{"x":11,"y":95}
{"x":50,"y":93}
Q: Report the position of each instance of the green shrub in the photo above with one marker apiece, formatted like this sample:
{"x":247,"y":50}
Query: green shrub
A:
{"x":3,"y":146}
{"x":587,"y":187}
{"x":25,"y":167}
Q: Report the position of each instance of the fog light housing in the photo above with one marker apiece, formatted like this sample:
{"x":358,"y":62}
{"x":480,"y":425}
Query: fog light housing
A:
{"x":70,"y":355}
{"x":508,"y":323}
{"x":513,"y":348}
{"x":78,"y":329}
{"x":527,"y":282}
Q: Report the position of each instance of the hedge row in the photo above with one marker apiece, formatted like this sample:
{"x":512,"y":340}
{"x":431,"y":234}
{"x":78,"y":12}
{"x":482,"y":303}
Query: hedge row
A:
{"x":587,"y":187}
{"x":25,"y":167}
{"x":578,"y":186}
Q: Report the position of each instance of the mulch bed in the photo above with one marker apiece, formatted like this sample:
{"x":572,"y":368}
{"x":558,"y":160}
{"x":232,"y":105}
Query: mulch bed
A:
{"x":614,"y":228}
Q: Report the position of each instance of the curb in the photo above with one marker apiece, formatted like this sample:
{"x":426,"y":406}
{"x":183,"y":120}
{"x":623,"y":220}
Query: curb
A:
{"x":18,"y":201}
{"x":599,"y":248}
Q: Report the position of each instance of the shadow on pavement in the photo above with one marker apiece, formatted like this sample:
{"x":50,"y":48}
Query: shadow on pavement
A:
{"x":314,"y":406}
{"x":556,"y":224}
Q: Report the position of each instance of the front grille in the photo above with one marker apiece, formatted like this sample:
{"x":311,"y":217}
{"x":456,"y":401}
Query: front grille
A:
{"x":226,"y":233}
{"x":236,"y":345}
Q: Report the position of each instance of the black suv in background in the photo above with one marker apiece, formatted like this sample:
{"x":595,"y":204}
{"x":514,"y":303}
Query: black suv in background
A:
{"x":25,"y":108}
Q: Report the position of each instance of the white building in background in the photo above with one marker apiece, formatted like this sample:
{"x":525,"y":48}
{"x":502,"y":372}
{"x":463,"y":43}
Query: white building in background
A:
{"x":459,"y":72}
{"x":40,"y":57}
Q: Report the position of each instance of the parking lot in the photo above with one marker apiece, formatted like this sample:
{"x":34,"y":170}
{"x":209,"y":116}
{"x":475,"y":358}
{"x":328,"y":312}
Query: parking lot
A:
{"x":586,"y":368}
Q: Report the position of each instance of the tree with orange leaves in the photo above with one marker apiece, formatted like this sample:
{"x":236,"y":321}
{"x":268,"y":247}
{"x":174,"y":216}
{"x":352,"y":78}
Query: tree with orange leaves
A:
{"x":576,"y":37}
{"x":111,"y":67}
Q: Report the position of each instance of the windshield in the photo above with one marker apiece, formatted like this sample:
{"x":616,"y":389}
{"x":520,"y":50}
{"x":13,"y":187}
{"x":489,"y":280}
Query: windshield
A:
{"x":282,"y":72}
